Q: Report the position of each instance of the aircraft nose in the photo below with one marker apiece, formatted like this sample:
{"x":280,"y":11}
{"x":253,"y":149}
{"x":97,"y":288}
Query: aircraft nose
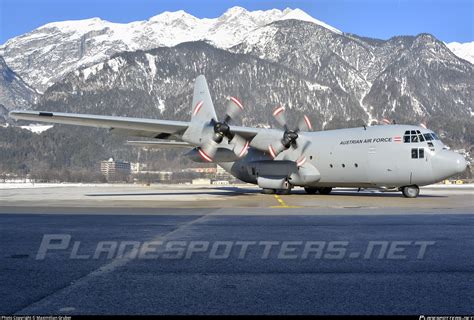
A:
{"x":461,"y":163}
{"x":448,"y":163}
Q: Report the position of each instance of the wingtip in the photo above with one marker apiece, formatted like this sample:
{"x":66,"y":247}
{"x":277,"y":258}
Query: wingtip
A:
{"x":14,"y":113}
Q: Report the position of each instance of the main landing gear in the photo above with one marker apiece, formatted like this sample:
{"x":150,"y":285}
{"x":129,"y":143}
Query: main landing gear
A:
{"x":312,"y":190}
{"x":277,"y":191}
{"x":410,"y":191}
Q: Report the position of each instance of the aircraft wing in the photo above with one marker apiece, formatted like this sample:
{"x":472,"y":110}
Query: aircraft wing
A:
{"x":150,"y":128}
{"x":162,"y":129}
{"x":159,"y":144}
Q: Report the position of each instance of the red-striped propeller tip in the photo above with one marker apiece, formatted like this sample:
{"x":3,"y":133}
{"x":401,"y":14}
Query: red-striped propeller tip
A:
{"x":301,"y":161}
{"x":198,"y":107}
{"x":278,"y":111}
{"x":308,"y":122}
{"x":244,"y":149}
{"x":204,"y":155}
{"x":237,"y":102}
{"x":272,"y":151}
{"x":386,"y":121}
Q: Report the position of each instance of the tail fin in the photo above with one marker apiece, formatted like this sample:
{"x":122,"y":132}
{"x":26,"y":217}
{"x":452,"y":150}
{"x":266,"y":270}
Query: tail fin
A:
{"x":203,"y":108}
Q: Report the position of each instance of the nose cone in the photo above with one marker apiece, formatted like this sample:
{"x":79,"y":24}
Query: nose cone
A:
{"x":461,"y":163}
{"x":448,"y":163}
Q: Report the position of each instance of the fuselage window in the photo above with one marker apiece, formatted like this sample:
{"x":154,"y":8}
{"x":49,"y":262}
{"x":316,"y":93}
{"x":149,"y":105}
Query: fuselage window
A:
{"x":343,"y":165}
{"x":428,"y":137}
{"x":406,"y":139}
{"x":356,"y":165}
{"x":417,"y":153}
{"x":435,"y":136}
{"x":414,"y":138}
{"x":420,"y":137}
{"x":331,"y":165}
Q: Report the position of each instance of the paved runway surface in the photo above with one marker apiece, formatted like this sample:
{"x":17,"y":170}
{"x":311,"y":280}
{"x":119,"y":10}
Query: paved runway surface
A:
{"x":343,"y":275}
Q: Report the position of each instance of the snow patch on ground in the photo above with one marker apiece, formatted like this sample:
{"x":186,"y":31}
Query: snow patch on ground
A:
{"x":36,"y":128}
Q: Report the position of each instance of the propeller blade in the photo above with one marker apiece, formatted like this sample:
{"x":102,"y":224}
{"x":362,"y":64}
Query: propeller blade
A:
{"x":204,"y":155}
{"x":275,"y":149}
{"x":301,"y":158}
{"x":301,"y":161}
{"x":233,"y":109}
{"x":208,"y":150}
{"x":386,"y":121}
{"x":279,"y":115}
{"x":423,"y":125}
{"x":240,"y":146}
{"x":305,"y":124}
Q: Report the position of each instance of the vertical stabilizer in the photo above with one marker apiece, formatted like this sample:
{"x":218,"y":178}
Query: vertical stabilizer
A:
{"x":202,"y":108}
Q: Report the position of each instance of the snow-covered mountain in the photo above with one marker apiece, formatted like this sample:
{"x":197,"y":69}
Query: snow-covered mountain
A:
{"x":46,"y":54}
{"x":14,"y":92}
{"x":463,"y":50}
{"x":266,"y":58}
{"x":340,"y":80}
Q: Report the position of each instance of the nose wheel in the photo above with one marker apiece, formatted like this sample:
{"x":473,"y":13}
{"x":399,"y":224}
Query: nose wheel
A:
{"x":313,"y":190}
{"x":410,"y":191}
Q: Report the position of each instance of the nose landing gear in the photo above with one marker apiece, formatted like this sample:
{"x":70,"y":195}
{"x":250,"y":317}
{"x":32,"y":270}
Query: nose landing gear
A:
{"x":410,"y":191}
{"x":313,"y":190}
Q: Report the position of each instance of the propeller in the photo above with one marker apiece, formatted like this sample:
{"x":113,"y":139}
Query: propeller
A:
{"x":386,"y":121}
{"x":290,"y":136}
{"x":221,"y":130}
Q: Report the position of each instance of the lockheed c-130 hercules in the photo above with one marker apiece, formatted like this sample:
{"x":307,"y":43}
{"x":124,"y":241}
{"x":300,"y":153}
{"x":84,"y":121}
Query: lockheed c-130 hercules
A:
{"x":389,"y":157}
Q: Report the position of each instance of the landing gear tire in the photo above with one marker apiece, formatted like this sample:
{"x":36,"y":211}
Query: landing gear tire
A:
{"x":410,"y":191}
{"x":326,"y":190}
{"x":310,"y":190}
{"x":268,"y":191}
{"x":284,"y":191}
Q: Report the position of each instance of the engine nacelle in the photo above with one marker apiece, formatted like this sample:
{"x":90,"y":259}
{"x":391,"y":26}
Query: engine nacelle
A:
{"x":272,"y":183}
{"x":278,"y":170}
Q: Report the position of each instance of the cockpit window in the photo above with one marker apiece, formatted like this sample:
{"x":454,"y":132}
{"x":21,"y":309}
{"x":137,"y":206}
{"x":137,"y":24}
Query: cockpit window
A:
{"x":415,"y":136}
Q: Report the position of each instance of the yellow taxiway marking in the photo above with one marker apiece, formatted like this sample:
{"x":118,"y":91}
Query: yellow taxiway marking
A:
{"x":282,"y":203}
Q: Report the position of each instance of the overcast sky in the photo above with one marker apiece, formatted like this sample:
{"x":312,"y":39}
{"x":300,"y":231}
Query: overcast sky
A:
{"x":448,"y":20}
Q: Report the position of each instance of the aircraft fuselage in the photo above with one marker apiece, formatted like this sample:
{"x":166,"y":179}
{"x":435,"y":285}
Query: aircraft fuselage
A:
{"x":387,"y":156}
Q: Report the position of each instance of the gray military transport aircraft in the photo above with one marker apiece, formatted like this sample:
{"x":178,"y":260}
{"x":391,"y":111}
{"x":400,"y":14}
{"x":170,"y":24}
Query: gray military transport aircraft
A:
{"x":387,"y":157}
